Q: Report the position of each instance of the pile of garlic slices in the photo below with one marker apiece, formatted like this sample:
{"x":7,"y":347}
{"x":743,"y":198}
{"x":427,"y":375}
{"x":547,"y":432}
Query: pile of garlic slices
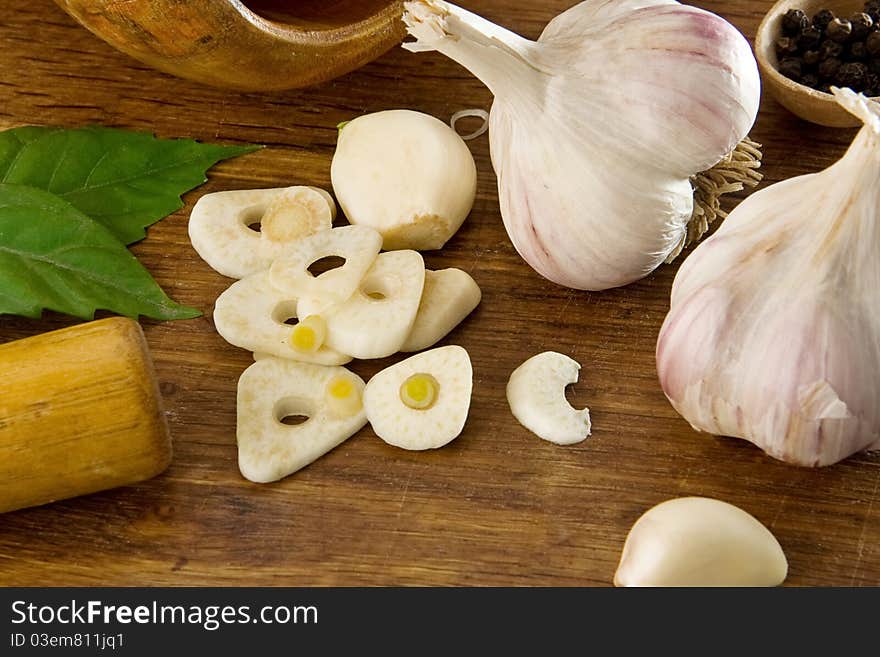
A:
{"x":302,"y":328}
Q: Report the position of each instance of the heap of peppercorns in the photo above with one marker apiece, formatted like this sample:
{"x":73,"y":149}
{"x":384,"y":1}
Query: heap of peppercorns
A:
{"x":828,"y":51}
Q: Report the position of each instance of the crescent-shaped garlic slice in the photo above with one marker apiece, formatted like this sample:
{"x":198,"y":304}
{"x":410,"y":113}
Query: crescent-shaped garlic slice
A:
{"x":698,"y":541}
{"x":536,"y":394}
{"x":251,"y":314}
{"x":375,"y":320}
{"x":449,"y":296}
{"x":421,"y":402}
{"x":273,"y":389}
{"x":220,"y":233}
{"x":357,"y":245}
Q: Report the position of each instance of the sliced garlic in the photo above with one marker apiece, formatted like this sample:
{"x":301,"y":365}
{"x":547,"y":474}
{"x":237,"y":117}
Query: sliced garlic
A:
{"x":697,"y":541}
{"x":273,"y":389}
{"x":536,"y":394}
{"x":423,"y":401}
{"x":449,"y":296}
{"x":251,"y":314}
{"x":357,"y":245}
{"x":220,"y":233}
{"x":375,"y":321}
{"x":406,"y":174}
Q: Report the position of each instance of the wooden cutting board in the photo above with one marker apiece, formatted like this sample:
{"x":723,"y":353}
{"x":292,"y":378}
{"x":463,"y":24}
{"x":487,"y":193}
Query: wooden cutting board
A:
{"x":498,"y":506}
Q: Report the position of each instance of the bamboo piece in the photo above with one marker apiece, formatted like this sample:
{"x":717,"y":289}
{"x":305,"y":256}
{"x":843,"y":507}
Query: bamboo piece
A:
{"x":80,"y":412}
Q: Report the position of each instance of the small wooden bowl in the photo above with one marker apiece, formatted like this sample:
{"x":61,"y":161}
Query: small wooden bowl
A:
{"x":251,"y":45}
{"x":806,"y":103}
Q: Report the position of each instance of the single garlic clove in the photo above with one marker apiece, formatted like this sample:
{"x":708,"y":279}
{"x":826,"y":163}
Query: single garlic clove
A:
{"x":375,"y":320}
{"x":536,"y":394}
{"x":697,"y":541}
{"x":423,"y":401}
{"x":252,"y":314}
{"x":406,"y":174}
{"x":449,"y":296}
{"x":357,"y":245}
{"x":273,"y":389}
{"x":219,"y":225}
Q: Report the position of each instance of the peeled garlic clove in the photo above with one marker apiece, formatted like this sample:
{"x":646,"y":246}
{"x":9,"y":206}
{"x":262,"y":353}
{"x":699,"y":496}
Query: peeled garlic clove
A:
{"x":357,"y":245}
{"x":251,"y":314}
{"x":536,"y":394}
{"x":598,"y":126}
{"x":423,"y":401}
{"x":697,"y":541}
{"x":273,"y":389}
{"x":220,"y":233}
{"x":405,"y":174}
{"x":773,"y":334}
{"x":449,"y":296}
{"x":378,"y":317}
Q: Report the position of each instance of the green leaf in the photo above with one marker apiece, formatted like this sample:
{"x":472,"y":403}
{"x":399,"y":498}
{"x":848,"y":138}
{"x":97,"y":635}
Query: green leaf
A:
{"x":53,"y":256}
{"x":126,"y":180}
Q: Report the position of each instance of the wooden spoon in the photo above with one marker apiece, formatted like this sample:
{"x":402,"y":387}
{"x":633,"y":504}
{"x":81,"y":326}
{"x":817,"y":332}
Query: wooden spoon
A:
{"x":251,"y":45}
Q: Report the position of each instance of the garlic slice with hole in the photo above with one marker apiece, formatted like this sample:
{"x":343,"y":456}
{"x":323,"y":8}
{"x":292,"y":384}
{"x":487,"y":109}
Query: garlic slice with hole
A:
{"x":448,"y":297}
{"x":698,"y":541}
{"x":375,"y":321}
{"x":251,"y":314}
{"x":536,"y":394}
{"x":219,"y":225}
{"x":773,"y":333}
{"x":357,"y":245}
{"x":271,"y":390}
{"x":407,"y":175}
{"x":421,"y":402}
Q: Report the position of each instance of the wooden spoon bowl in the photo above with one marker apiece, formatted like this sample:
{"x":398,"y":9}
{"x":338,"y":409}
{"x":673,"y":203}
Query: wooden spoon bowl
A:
{"x":807,"y":103}
{"x":249,"y":45}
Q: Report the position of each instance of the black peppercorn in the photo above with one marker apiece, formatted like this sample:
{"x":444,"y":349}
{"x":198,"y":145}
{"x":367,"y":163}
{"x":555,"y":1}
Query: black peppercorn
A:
{"x":811,"y":57}
{"x":809,"y":38}
{"x":785,"y":47}
{"x":872,"y":84}
{"x":852,"y":75}
{"x":822,"y":18}
{"x":874,"y":65}
{"x":810,"y":80}
{"x":857,"y":51}
{"x":839,"y":30}
{"x":861,"y":25}
{"x":829,"y":67}
{"x":872,"y":8}
{"x":872,"y":44}
{"x":831,"y":49}
{"x":794,"y":21}
{"x":791,"y":68}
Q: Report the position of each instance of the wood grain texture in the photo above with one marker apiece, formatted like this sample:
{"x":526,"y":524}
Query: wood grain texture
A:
{"x":498,"y":505}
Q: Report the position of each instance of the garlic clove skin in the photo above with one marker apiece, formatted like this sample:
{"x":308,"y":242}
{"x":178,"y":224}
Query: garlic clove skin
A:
{"x":448,"y":297}
{"x":251,"y":314}
{"x":772,"y":334}
{"x":597,"y":127}
{"x":376,"y":319}
{"x":405,"y":174}
{"x":698,"y":541}
{"x":272,"y":389}
{"x":219,"y":232}
{"x":536,"y":395}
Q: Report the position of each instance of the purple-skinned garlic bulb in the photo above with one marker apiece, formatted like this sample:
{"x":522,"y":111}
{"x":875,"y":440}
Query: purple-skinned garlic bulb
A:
{"x":600,"y":129}
{"x":773,"y":334}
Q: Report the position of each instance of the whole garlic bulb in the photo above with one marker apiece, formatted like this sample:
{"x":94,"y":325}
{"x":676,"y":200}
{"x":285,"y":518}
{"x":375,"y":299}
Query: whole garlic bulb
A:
{"x":598,"y":126}
{"x":773,"y":334}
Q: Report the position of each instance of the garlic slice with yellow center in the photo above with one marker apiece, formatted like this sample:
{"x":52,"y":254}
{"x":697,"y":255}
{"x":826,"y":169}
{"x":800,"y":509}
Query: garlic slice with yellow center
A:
{"x":272,"y":390}
{"x":375,"y":321}
{"x":448,"y":297}
{"x":421,"y":402}
{"x":219,"y":226}
{"x":536,"y":394}
{"x":254,"y":315}
{"x":698,"y":541}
